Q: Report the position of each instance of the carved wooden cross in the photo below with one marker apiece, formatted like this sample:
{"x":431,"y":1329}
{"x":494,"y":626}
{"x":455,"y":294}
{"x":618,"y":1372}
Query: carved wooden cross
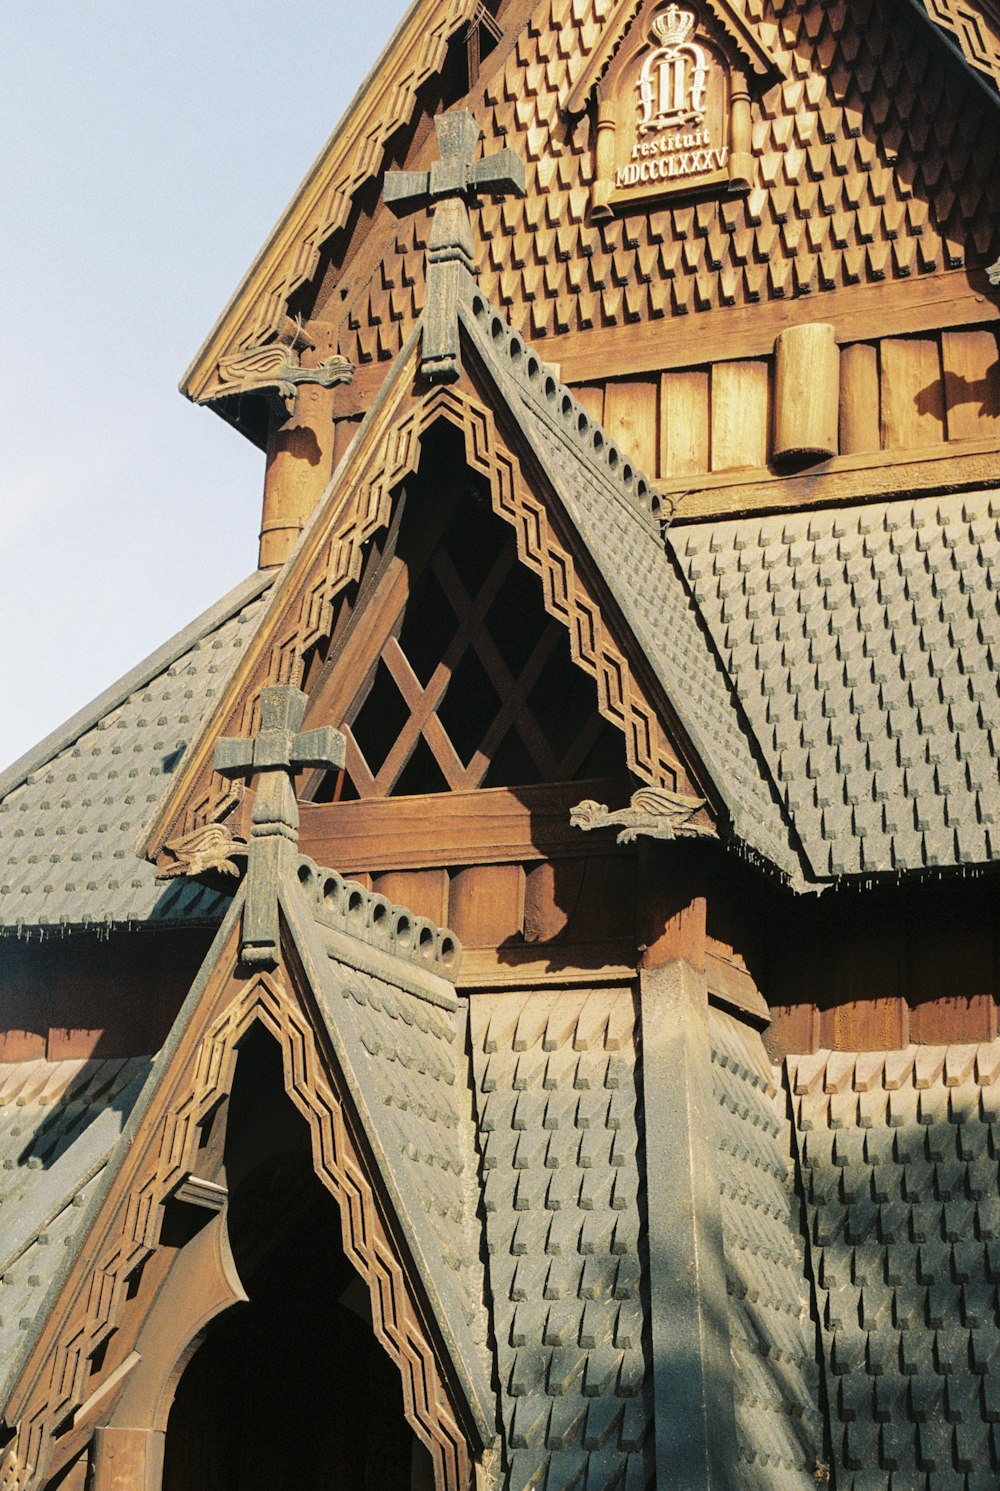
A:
{"x":449,"y":186}
{"x":273,"y":756}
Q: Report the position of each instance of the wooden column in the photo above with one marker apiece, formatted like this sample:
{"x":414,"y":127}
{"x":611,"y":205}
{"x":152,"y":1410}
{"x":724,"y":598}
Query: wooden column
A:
{"x":300,"y":455}
{"x":806,"y":392}
{"x":695,"y":1417}
{"x":740,"y":158}
{"x":604,"y":163}
{"x":127,"y":1460}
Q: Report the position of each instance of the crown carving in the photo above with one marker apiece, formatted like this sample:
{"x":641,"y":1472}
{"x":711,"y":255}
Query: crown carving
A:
{"x":674,"y":26}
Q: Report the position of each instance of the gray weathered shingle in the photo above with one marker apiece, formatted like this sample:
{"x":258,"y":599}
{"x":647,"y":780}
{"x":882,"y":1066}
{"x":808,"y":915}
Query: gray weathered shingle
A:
{"x":565,"y":1235}
{"x":863,"y":643}
{"x":772,"y":1337}
{"x":899,"y":1170}
{"x":73,"y":811}
{"x":614,"y":510}
{"x":59,"y":1122}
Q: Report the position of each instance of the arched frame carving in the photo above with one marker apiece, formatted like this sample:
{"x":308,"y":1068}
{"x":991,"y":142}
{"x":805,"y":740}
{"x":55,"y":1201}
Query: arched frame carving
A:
{"x":197,"y":1083}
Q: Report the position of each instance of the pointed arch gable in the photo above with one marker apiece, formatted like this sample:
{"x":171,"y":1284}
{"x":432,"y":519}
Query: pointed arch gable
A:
{"x":303,"y":610}
{"x":113,"y":1281}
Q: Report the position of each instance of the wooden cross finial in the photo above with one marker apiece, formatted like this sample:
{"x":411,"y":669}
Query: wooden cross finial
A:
{"x":449,"y":186}
{"x":273,"y":756}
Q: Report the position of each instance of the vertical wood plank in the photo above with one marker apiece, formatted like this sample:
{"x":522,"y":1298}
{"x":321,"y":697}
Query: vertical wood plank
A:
{"x":486,"y":904}
{"x":912,"y":392}
{"x":630,"y":419}
{"x":859,"y":399}
{"x":971,"y":384}
{"x":590,"y":396}
{"x":740,"y":414}
{"x":424,"y":892}
{"x":878,"y":1024}
{"x":684,"y":422}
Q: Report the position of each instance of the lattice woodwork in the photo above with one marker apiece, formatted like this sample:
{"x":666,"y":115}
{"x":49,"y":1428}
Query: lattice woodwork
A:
{"x":203,"y":1075}
{"x":500,"y":703}
{"x":334,"y":558}
{"x":874,"y":161}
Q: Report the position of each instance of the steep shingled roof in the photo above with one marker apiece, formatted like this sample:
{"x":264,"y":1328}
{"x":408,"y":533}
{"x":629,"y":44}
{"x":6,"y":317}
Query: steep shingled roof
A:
{"x":397,"y":1028}
{"x":72,"y":810}
{"x":771,"y":1334}
{"x":899,"y":1171}
{"x":864,"y":644}
{"x":560,"y":1128}
{"x":59,"y":1123}
{"x":616,"y":512}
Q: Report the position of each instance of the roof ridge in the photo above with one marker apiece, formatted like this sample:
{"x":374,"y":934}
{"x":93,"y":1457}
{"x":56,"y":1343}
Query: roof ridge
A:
{"x":151,"y":667}
{"x":565,"y":416}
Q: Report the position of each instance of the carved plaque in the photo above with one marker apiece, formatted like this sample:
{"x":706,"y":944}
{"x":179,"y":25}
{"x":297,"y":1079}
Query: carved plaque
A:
{"x":666,"y":115}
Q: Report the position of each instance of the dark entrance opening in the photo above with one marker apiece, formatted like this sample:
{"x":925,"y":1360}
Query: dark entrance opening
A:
{"x":291,"y":1390}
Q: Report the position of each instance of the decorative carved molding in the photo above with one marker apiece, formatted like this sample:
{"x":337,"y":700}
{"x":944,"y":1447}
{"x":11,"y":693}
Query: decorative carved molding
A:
{"x":976,"y":28}
{"x":335,"y":559}
{"x":159,"y":1162}
{"x":275,"y":369}
{"x":653,"y":812}
{"x":211,"y":849}
{"x":352,"y":157}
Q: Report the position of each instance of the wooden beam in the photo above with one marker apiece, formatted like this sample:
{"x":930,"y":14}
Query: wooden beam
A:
{"x":956,"y":467}
{"x":494,"y":825}
{"x":858,"y":312}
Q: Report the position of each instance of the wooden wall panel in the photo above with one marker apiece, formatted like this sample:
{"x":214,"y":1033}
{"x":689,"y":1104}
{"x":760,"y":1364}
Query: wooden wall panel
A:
{"x":486,"y":904}
{"x":740,"y":418}
{"x":971,"y":384}
{"x":859,"y":399}
{"x":684,"y":423}
{"x":630,"y":418}
{"x":424,"y":892}
{"x":912,"y":392}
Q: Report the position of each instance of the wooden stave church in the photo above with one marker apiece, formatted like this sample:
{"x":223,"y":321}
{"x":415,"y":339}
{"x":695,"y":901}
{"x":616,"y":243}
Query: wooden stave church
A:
{"x":413,"y":1028}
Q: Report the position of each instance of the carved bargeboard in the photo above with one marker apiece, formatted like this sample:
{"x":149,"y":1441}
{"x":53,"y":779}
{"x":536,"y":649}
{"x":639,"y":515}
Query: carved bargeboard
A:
{"x":336,"y":559}
{"x":202,"y":1074}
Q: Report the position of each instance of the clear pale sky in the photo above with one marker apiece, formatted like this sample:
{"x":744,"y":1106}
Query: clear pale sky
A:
{"x":149,"y":146}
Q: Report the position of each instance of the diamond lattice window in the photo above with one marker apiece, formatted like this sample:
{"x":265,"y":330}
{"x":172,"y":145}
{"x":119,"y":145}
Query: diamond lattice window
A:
{"x":473,"y":685}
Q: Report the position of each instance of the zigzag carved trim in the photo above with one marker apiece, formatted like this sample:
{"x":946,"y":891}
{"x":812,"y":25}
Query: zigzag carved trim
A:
{"x":205,"y":1078}
{"x":305,"y":622}
{"x":353,"y":157}
{"x":976,"y":27}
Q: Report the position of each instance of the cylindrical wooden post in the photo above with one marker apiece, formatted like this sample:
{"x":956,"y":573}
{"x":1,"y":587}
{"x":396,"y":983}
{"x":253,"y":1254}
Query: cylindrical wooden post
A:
{"x":299,"y":466}
{"x":740,"y":157}
{"x":806,"y":392}
{"x":604,"y":165}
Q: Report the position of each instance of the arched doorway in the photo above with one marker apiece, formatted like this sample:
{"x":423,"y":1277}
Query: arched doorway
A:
{"x":292,"y":1389}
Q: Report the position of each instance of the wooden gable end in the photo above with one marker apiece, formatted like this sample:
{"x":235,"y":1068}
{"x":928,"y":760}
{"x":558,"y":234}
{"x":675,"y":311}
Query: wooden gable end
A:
{"x":155,"y":1266}
{"x":873,"y":163}
{"x":443,"y":613}
{"x":864,"y":201}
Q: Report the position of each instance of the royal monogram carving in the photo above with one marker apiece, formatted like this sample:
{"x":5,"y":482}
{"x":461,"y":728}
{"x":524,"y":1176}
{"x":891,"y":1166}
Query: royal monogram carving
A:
{"x":671,"y":88}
